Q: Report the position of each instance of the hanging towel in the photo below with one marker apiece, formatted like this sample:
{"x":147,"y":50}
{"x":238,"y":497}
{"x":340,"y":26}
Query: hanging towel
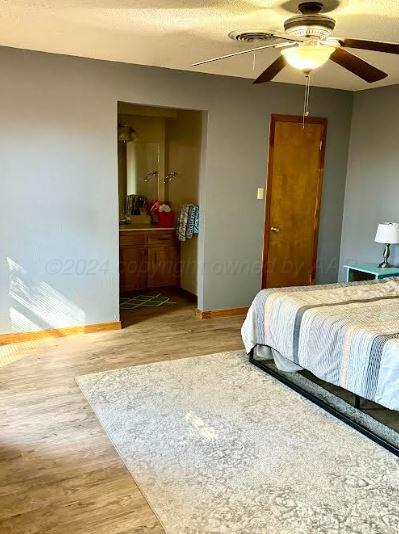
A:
{"x":182,"y":222}
{"x":188,"y":223}
{"x":192,"y":221}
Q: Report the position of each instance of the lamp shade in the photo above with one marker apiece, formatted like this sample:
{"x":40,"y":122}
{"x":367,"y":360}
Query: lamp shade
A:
{"x":387,"y":233}
{"x":307,"y":57}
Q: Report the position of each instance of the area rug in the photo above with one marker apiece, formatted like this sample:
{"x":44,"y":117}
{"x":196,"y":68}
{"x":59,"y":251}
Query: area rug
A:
{"x":145,"y":301}
{"x":217,"y":446}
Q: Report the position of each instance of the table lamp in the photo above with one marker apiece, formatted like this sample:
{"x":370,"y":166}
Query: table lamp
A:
{"x":387,"y":233}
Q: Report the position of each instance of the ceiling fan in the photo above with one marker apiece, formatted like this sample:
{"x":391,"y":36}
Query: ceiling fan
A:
{"x":307,"y":44}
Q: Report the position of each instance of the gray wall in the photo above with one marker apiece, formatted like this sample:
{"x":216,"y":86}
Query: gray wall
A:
{"x":372,"y":190}
{"x":59,"y":205}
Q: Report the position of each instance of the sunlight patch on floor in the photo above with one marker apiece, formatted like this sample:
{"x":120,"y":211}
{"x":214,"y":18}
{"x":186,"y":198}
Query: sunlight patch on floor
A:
{"x":35,"y":306}
{"x":16,"y":351}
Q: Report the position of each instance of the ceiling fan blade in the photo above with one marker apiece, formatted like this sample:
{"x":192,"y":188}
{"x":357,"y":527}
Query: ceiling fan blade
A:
{"x":388,"y":48}
{"x":272,"y":70}
{"x":234,"y":54}
{"x":357,"y":66}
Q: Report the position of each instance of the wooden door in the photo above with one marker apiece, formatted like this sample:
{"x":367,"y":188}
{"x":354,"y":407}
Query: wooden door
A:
{"x":133,"y":268}
{"x":163,"y":266}
{"x":295,"y":173}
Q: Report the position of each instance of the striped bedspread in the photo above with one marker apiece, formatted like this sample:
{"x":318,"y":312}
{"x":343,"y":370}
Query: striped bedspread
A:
{"x":345,"y":334}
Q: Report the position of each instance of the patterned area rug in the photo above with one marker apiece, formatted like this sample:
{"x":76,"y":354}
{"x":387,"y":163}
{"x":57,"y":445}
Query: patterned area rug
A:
{"x":145,"y":301}
{"x":217,"y":446}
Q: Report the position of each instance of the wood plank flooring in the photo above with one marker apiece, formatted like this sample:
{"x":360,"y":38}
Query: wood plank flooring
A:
{"x":58,"y":471}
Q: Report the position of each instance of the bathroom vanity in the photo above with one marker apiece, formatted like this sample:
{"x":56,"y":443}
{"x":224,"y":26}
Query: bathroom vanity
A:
{"x":149,"y":258}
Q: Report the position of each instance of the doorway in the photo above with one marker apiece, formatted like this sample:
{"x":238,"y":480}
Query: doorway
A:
{"x":159,"y":164}
{"x":294,"y":185}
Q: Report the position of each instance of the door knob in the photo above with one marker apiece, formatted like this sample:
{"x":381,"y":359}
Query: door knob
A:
{"x":275,"y":229}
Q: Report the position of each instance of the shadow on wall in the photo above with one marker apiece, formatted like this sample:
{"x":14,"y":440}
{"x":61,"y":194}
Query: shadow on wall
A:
{"x":37,"y":306}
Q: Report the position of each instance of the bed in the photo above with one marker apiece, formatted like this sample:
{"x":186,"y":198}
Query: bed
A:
{"x":345,"y":334}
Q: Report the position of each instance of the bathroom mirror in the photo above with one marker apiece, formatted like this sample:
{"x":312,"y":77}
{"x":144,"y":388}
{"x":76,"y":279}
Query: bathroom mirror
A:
{"x":142,"y":169}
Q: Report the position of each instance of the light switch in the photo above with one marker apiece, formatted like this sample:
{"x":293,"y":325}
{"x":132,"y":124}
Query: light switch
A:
{"x":260,"y":194}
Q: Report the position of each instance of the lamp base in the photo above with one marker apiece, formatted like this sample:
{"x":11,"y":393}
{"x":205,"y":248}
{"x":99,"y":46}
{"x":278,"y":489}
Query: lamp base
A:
{"x":385,"y":265}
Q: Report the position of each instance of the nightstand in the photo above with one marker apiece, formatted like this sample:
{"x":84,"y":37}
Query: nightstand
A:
{"x":368,"y":271}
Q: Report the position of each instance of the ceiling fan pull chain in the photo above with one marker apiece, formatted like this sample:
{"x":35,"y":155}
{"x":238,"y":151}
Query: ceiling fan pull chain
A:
{"x":306,"y":100}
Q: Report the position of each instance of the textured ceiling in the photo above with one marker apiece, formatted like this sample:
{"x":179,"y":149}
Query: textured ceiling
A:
{"x":176,"y":33}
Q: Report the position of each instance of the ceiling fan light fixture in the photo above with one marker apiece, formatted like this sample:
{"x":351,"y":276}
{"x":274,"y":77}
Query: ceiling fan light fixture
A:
{"x":308,"y":57}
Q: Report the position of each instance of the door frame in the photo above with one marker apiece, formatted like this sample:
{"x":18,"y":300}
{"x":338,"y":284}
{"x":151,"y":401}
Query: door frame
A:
{"x":266,"y":233}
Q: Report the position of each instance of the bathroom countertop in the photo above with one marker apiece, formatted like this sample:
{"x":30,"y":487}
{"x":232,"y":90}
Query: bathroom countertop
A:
{"x":136,"y":227}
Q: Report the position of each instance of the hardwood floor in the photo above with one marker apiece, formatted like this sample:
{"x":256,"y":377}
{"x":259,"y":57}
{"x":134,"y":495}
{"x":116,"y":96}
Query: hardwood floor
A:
{"x":58,"y":471}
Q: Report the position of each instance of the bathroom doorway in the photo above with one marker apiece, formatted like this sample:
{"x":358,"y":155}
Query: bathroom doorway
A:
{"x":160,"y":151}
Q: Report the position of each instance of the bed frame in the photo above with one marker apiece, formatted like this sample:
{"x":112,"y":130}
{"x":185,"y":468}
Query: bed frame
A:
{"x":333,"y":411}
